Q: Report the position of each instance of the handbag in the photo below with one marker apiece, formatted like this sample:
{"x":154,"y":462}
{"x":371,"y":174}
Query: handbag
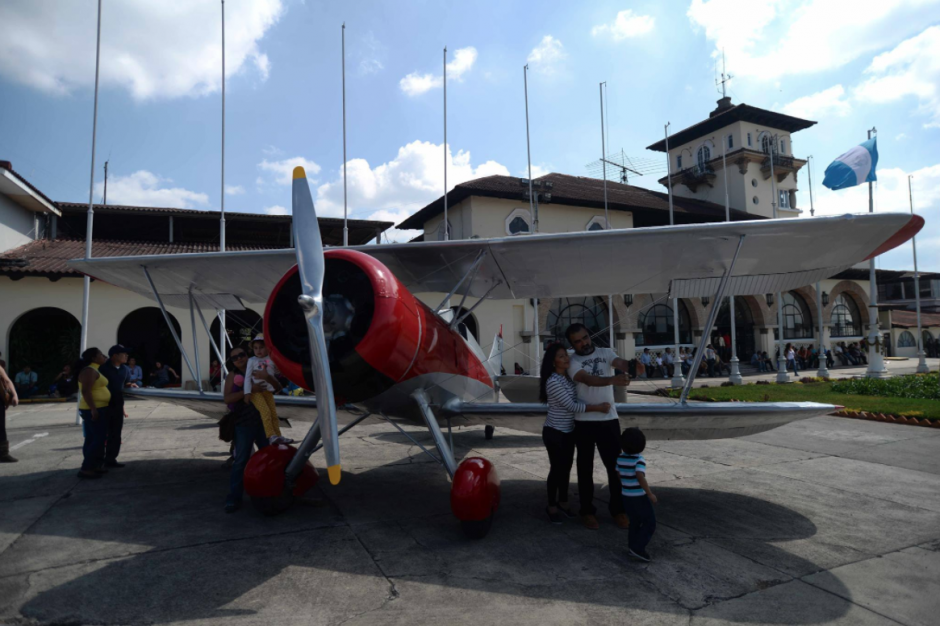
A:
{"x":227,"y":427}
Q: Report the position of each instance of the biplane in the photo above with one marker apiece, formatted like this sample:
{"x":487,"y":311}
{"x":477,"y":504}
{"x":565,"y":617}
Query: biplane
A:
{"x":344,"y":323}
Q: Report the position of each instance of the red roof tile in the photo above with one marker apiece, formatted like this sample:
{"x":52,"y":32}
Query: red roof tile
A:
{"x":908,"y":319}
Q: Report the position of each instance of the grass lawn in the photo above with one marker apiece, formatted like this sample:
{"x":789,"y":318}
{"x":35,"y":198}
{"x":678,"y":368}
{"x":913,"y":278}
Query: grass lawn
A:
{"x":819,"y":392}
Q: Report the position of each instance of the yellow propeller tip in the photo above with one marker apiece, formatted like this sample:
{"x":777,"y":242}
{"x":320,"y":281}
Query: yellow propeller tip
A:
{"x":299,"y":172}
{"x":335,"y":471}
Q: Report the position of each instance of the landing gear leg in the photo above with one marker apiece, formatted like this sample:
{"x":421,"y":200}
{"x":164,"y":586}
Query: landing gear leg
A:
{"x":488,"y":432}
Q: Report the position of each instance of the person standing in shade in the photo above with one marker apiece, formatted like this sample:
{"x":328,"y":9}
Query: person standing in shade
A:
{"x":9,"y":399}
{"x":249,"y":429}
{"x":94,"y":411}
{"x":119,"y":377}
{"x":592,"y":369}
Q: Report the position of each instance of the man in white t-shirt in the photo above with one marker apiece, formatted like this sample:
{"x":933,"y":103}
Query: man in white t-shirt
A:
{"x":592,"y":369}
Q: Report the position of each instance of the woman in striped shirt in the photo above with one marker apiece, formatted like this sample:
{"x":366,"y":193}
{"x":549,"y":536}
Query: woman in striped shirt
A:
{"x":558,"y":391}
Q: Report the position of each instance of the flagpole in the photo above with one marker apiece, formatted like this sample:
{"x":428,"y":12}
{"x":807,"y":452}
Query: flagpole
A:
{"x":876,"y":364}
{"x":610,"y":299}
{"x":823,"y":371}
{"x":345,"y":225}
{"x":782,"y":376}
{"x":735,"y":375}
{"x":86,"y":293}
{"x":921,"y":357}
{"x":678,"y":380}
{"x":222,"y":332}
{"x":446,"y":224}
{"x":534,"y":212}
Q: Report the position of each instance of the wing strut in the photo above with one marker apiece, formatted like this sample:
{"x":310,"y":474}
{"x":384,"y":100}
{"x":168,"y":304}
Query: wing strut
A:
{"x":712,"y":315}
{"x":166,"y":316}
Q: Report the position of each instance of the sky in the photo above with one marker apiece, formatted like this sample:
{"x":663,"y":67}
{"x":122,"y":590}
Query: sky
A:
{"x":849,"y":65}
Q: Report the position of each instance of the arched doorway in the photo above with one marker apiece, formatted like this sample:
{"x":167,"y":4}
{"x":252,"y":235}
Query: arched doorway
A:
{"x":658,"y":327}
{"x":590,"y":311}
{"x":743,"y":328}
{"x":241,"y":326}
{"x":46,"y":339}
{"x":470,"y":321}
{"x":145,"y":335}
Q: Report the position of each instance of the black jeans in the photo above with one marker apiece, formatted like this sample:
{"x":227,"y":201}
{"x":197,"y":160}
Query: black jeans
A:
{"x":606,"y":436}
{"x":115,"y":425}
{"x":3,"y":417}
{"x":96,"y":430}
{"x":642,"y":521}
{"x":560,"y":448}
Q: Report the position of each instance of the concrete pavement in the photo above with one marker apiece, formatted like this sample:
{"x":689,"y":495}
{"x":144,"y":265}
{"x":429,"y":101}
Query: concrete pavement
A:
{"x":826,"y":521}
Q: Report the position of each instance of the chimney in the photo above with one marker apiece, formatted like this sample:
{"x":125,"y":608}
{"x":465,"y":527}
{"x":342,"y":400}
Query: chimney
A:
{"x":6,"y":165}
{"x":723,"y":105}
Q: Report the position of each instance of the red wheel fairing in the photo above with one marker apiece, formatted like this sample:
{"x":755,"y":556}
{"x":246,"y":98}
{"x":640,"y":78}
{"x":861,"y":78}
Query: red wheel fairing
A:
{"x":264,"y":474}
{"x":474,"y":495}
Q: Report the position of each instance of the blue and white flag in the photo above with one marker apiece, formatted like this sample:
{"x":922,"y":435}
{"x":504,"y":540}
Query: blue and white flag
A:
{"x":855,"y":167}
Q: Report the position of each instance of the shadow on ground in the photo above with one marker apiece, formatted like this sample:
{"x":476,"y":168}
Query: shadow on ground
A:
{"x":120,"y":552}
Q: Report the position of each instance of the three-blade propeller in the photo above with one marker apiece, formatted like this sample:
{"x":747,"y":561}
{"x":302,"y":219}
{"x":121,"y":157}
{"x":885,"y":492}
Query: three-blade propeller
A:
{"x":310,"y":264}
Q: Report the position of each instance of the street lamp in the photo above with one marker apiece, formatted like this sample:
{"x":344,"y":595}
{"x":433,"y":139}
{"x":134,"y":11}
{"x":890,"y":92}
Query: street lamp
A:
{"x":705,"y":300}
{"x":628,"y":299}
{"x":825,"y":299}
{"x":770,"y":299}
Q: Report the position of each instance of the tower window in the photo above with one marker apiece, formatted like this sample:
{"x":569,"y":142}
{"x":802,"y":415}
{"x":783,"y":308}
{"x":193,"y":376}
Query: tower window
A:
{"x":679,"y":162}
{"x":755,"y":200}
{"x":784,"y":199}
{"x":704,"y":154}
{"x":783,"y":146}
{"x":730,"y":141}
{"x":749,"y":144}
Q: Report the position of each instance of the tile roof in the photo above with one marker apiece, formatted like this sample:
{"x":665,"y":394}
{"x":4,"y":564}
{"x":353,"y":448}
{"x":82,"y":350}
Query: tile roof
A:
{"x":908,"y":319}
{"x":9,"y":167}
{"x":44,"y":257}
{"x":577,"y":191}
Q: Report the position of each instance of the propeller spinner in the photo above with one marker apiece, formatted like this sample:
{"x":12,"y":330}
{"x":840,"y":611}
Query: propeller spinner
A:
{"x":310,"y":264}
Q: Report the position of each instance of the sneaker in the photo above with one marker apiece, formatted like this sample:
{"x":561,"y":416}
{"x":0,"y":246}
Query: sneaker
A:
{"x":556,"y":518}
{"x":641,"y":555}
{"x":622,"y":521}
{"x":567,"y":512}
{"x":590,"y":522}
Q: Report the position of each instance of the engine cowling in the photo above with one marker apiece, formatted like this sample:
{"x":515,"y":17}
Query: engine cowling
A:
{"x":379,"y":334}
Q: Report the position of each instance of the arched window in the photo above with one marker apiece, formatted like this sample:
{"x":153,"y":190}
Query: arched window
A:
{"x":906,"y":340}
{"x":704,"y":155}
{"x":846,"y":320}
{"x":797,"y":321}
{"x":767,"y":143}
{"x":592,"y":312}
{"x":658,"y":328}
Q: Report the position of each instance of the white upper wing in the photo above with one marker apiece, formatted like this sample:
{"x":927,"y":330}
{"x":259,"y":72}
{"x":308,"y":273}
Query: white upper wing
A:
{"x":687,"y":261}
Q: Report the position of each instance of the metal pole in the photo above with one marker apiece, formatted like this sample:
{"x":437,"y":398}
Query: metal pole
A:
{"x":169,"y":323}
{"x":446,"y":224}
{"x":921,"y":356}
{"x":709,"y":322}
{"x":876,"y":366}
{"x":86,"y":293}
{"x":192,"y":322}
{"x":610,"y":298}
{"x":345,"y":213}
{"x":215,"y":347}
{"x":677,"y":378}
{"x":534,"y":211}
{"x":735,"y":376}
{"x":104,"y":200}
{"x":823,"y":371}
{"x":222,"y":332}
{"x":782,"y":376}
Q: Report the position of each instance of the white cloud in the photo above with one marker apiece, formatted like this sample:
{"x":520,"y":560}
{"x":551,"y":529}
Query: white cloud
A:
{"x":900,"y":137}
{"x":275,"y":210}
{"x":828,"y":102}
{"x":766,"y":40}
{"x":415,"y":84}
{"x":143,"y":188}
{"x":546,"y":57}
{"x":234,"y":190}
{"x":537,"y":171}
{"x":910,"y":69}
{"x":151,"y":49}
{"x":626,"y":25}
{"x":394,"y":190}
{"x":371,"y":55}
{"x":283,"y":171}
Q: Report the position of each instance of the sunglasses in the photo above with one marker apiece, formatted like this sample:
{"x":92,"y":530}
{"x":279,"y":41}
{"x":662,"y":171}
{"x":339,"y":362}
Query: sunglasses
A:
{"x":239,"y":355}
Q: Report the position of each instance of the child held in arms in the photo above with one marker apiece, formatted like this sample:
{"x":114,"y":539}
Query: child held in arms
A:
{"x":261,"y":384}
{"x":638,"y":498}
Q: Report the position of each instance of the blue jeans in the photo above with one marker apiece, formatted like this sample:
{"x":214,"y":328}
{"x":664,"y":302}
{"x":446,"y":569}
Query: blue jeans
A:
{"x":246,"y":437}
{"x":642,"y":521}
{"x":793,"y":364}
{"x":96,"y":432}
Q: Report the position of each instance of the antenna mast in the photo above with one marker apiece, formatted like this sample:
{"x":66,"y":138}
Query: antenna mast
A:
{"x":725,"y":77}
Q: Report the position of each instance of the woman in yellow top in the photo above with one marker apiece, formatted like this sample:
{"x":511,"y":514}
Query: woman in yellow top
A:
{"x":93,"y":408}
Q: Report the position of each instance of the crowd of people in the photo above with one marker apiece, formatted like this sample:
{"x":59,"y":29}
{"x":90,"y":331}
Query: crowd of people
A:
{"x":578,"y":387}
{"x":65,"y":384}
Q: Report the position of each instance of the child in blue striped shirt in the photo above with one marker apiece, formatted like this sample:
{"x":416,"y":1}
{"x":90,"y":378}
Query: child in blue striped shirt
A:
{"x":638,"y":498}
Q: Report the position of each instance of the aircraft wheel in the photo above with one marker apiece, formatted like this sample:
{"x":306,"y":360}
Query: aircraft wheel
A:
{"x":477,"y":529}
{"x":488,"y":432}
{"x":273,"y":506}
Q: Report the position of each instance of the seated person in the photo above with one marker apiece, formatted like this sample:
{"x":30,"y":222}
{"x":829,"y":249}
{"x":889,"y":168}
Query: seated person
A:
{"x":137,"y":374}
{"x":160,"y":376}
{"x":65,"y":384}
{"x":27,"y":382}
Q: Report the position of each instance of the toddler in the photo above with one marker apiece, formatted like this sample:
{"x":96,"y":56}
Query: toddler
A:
{"x":638,"y":499}
{"x":260,"y":392}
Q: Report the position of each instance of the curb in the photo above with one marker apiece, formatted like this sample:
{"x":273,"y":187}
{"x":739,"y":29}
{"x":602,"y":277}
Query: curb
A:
{"x":890,"y":418}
